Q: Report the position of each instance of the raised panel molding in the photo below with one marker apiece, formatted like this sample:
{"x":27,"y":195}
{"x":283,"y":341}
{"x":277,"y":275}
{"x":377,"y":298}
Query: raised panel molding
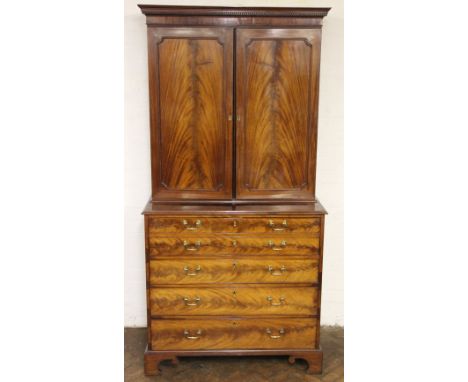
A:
{"x":276,"y":86}
{"x":190,"y":88}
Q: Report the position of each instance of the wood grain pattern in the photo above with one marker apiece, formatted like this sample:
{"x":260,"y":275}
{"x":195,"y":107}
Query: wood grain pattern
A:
{"x":275,"y":130}
{"x":233,"y":334}
{"x":233,"y":245}
{"x":234,"y":300}
{"x":274,"y":225}
{"x":276,"y":138}
{"x":191,"y":98}
{"x":191,"y":88}
{"x":242,"y":270}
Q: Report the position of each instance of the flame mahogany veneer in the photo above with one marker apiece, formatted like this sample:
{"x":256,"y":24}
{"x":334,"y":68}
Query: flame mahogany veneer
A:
{"x":233,"y":230}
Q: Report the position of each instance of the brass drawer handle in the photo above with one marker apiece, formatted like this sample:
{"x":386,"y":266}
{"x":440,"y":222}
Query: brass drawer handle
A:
{"x":274,"y":227}
{"x":276,"y":273}
{"x":192,"y":247}
{"x":275,"y":336}
{"x":281,"y":301}
{"x":194,"y":273}
{"x":192,"y":227}
{"x":194,"y":302}
{"x":190,"y":337}
{"x":275,"y":247}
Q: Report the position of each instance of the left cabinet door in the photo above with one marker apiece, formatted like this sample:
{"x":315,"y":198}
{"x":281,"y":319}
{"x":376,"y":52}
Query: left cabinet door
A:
{"x":190,"y":81}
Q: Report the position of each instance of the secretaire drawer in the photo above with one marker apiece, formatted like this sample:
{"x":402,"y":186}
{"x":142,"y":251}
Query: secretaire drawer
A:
{"x":234,"y":300}
{"x":245,"y":270}
{"x":216,"y":245}
{"x":243,"y":333}
{"x":196,"y":225}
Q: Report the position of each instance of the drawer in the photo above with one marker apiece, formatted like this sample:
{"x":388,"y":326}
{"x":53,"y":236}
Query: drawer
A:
{"x":197,"y":225}
{"x":216,"y":245}
{"x":234,"y":300}
{"x":243,"y":333}
{"x":244,"y":270}
{"x":191,"y":225}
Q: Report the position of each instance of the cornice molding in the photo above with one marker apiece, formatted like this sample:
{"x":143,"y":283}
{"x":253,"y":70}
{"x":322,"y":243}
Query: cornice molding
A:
{"x":167,"y":10}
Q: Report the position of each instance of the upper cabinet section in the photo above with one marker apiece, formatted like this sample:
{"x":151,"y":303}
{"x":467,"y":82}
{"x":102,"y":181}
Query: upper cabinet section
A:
{"x":191,"y":96}
{"x":276,"y":105}
{"x":233,"y":102}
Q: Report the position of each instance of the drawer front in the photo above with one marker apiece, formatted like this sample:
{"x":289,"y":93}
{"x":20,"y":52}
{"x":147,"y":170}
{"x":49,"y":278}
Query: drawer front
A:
{"x":265,"y":270}
{"x":217,"y":245}
{"x":191,"y":225}
{"x":197,"y":225}
{"x":281,"y":333}
{"x":234,"y":300}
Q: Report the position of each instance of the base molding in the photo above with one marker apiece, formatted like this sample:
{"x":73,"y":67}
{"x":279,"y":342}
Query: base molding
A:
{"x":314,"y":357}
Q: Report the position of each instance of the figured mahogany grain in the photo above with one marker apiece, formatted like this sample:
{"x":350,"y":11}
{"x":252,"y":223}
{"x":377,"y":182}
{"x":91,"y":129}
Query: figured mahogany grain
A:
{"x":276,"y":86}
{"x":242,"y":333}
{"x":272,"y":225}
{"x":234,"y":300}
{"x":227,"y":270}
{"x":191,"y":98}
{"x":178,"y":245}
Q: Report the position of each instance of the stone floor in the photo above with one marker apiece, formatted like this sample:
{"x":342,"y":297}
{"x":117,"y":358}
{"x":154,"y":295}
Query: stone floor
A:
{"x":236,"y":369}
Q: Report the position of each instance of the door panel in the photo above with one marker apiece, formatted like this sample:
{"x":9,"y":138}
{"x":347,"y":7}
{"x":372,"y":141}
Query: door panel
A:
{"x":191,"y":97}
{"x":276,"y":107}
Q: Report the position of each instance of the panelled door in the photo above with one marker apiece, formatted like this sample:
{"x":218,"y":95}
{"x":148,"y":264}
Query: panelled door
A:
{"x":190,"y":77}
{"x":276,"y":108}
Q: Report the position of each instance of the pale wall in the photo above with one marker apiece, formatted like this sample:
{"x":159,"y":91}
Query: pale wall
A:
{"x":330,"y":153}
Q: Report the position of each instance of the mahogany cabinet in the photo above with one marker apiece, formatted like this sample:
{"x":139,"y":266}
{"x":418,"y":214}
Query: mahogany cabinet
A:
{"x":233,"y":230}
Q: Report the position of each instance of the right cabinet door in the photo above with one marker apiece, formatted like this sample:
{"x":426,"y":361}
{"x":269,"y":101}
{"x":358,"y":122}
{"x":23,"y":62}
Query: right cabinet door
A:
{"x":277,"y":73}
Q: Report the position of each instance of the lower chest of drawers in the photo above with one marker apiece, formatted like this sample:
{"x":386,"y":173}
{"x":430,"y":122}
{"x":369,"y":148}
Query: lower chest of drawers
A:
{"x":239,"y":283}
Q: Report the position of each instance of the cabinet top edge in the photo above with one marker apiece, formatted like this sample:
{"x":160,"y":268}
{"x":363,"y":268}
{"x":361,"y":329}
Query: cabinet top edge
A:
{"x":161,"y":208}
{"x":170,"y":10}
